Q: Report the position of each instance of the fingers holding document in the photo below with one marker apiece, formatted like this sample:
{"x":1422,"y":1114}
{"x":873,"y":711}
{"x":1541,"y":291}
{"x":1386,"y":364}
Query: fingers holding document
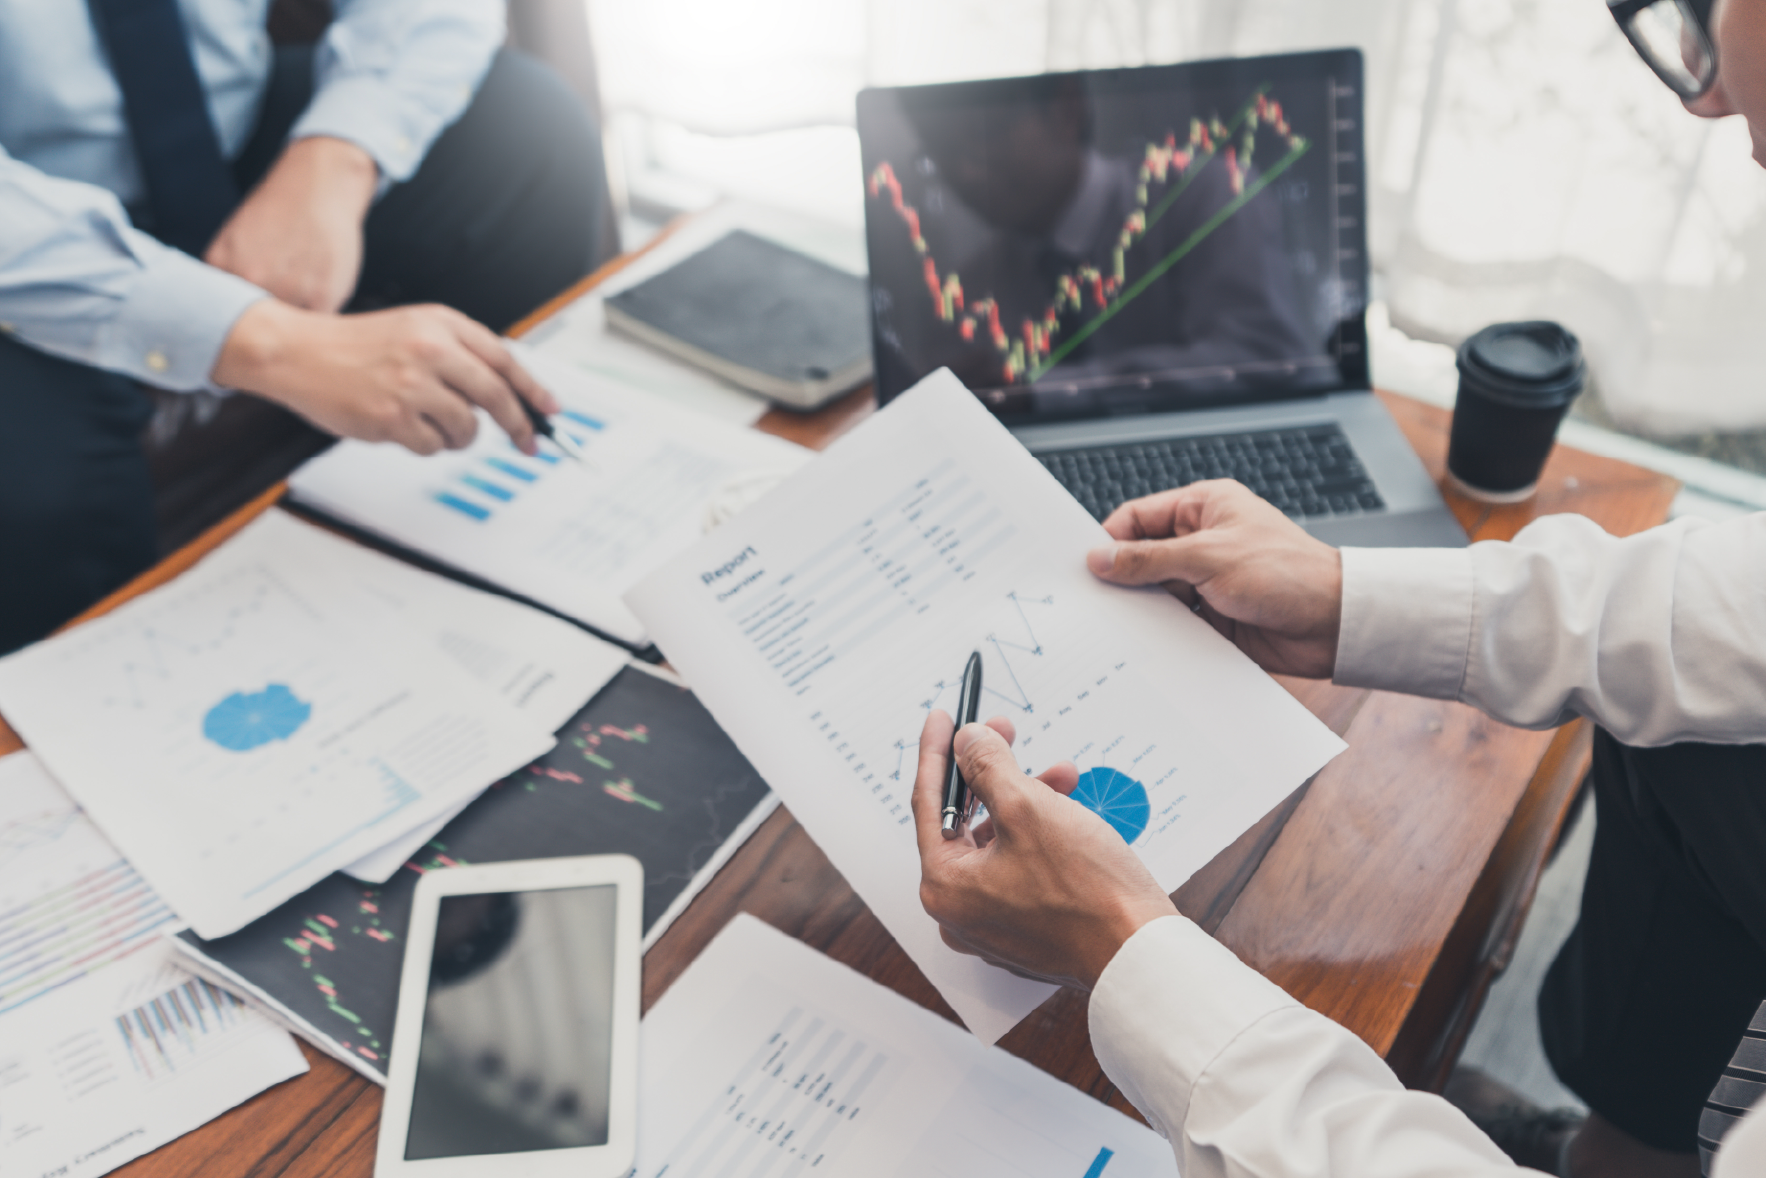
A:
{"x":1250,"y":571}
{"x":1044,"y":888}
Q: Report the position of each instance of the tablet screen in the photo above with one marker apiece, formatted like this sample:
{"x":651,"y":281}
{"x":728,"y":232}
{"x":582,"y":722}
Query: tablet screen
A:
{"x":517,"y":1027}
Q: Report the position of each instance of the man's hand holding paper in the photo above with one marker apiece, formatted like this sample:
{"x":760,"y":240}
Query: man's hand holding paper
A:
{"x":1044,"y":887}
{"x":1272,"y":589}
{"x":822,"y":626}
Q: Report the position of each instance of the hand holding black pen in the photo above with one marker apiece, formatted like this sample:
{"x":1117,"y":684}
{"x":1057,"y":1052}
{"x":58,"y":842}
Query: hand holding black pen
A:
{"x":542,"y":425}
{"x":956,"y":790}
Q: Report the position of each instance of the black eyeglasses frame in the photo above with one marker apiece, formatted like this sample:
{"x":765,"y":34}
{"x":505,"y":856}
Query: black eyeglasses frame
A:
{"x":1698,"y":16}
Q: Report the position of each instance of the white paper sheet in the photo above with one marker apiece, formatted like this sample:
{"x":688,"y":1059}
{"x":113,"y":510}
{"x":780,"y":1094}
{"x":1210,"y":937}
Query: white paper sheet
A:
{"x":245,"y":730}
{"x":821,"y":625}
{"x":107,"y":1050}
{"x":578,"y":334}
{"x":768,"y":1060}
{"x":569,"y":537}
{"x":544,"y":667}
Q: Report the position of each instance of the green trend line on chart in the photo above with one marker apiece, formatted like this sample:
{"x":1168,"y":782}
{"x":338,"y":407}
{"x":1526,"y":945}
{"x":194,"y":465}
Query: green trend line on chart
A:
{"x":1171,"y":259}
{"x":1105,"y":285}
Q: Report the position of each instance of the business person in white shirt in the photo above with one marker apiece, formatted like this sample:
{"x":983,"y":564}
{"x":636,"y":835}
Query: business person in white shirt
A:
{"x":1659,"y":638}
{"x":184,"y":206}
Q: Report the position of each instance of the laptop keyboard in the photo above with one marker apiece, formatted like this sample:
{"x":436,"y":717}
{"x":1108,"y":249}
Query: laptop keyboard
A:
{"x":1310,"y":472}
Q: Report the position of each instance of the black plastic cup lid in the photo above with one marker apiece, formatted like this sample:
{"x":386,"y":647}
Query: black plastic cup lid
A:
{"x":1535,"y":364}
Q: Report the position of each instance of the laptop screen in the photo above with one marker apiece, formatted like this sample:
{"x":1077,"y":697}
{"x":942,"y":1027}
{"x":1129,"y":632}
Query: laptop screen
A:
{"x":1121,"y":241}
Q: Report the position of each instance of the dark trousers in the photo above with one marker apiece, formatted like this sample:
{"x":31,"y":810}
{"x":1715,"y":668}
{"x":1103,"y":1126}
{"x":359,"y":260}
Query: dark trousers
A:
{"x":1648,"y":998}
{"x":504,"y":213}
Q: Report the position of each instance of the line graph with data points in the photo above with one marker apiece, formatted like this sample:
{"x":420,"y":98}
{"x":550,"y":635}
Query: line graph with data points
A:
{"x":1102,"y":286}
{"x":1069,"y":700}
{"x":1011,"y":647}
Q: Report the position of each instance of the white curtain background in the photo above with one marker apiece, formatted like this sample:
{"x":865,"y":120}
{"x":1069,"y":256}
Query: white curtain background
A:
{"x":1523,"y":162}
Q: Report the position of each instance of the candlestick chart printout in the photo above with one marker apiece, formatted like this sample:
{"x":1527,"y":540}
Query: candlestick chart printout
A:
{"x":642,"y":770}
{"x":822,"y":626}
{"x":1191,"y":227}
{"x":107,"y":1050}
{"x":243,"y":731}
{"x":768,"y":1060}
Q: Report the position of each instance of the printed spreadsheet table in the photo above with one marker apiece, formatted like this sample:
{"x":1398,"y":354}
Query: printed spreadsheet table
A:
{"x":1333,"y":920}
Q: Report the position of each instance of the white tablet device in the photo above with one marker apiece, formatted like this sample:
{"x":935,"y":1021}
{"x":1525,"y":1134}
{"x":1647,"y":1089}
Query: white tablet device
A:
{"x":515,"y":1052}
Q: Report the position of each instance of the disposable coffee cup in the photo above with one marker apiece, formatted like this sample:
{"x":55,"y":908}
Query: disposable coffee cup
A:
{"x":1516,"y":382}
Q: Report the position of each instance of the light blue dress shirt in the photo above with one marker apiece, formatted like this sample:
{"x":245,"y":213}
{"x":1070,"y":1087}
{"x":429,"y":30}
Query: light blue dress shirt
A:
{"x":76,"y":279}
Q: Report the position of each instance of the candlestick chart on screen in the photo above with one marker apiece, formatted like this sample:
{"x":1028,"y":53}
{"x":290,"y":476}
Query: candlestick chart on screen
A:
{"x":1086,"y":296}
{"x":642,"y":769}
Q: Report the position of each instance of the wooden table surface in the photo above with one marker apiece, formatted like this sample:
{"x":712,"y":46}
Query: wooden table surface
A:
{"x":1386,"y":892}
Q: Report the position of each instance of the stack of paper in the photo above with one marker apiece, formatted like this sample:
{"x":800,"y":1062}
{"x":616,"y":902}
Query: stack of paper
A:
{"x":107,"y":1050}
{"x":294,"y":705}
{"x":569,"y":536}
{"x":642,"y":770}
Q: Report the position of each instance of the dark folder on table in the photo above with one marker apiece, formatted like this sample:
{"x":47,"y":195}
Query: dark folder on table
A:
{"x":759,"y":315}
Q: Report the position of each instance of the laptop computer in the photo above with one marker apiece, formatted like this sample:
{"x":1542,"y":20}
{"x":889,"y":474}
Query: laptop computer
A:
{"x":1151,"y":276}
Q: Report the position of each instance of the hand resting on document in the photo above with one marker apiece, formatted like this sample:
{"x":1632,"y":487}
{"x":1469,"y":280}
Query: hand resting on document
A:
{"x":1254,"y":574}
{"x":410,"y":375}
{"x":1043,"y":886}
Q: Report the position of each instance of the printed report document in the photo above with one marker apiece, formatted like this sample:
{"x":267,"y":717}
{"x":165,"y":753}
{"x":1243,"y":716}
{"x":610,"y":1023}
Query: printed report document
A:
{"x":822,"y":624}
{"x":768,"y":1060}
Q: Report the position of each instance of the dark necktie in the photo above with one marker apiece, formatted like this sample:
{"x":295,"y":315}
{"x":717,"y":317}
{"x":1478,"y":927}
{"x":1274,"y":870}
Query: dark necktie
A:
{"x":190,"y":189}
{"x":1740,"y":1089}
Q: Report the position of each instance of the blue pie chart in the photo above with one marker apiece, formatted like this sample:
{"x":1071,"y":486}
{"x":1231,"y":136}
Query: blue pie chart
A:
{"x":1117,"y":798}
{"x":245,"y":720}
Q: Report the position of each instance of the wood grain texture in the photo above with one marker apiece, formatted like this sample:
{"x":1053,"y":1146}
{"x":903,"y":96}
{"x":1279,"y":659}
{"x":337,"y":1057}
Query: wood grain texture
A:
{"x":1482,"y":940}
{"x":1383,"y":892}
{"x":1353,"y":903}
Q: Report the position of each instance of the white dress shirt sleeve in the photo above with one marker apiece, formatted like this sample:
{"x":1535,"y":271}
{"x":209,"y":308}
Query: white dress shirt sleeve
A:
{"x":392,"y":75}
{"x":78,"y":281}
{"x":1247,"y":1083}
{"x":1658,"y":637}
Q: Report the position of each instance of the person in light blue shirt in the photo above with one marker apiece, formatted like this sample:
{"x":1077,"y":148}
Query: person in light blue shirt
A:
{"x":393,"y":197}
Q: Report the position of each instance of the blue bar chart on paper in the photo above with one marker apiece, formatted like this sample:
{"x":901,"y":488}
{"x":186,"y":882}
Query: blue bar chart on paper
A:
{"x":570,"y":535}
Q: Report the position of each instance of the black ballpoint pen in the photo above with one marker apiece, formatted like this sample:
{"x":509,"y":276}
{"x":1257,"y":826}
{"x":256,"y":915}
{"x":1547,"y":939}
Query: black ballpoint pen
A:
{"x":956,"y":790}
{"x":542,"y":425}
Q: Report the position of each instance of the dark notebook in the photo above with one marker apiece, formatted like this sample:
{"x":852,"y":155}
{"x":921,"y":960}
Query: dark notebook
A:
{"x":642,"y":769}
{"x":759,"y":315}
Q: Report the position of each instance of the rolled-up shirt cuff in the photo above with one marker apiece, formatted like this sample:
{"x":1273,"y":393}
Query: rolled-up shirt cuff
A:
{"x":1407,"y":620}
{"x":175,"y":320}
{"x":393,"y":129}
{"x":1170,"y":1001}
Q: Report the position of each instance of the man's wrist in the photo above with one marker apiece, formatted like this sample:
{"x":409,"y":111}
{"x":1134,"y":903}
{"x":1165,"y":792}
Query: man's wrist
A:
{"x":1116,"y":930}
{"x":261,"y":340}
{"x":343,"y":168}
